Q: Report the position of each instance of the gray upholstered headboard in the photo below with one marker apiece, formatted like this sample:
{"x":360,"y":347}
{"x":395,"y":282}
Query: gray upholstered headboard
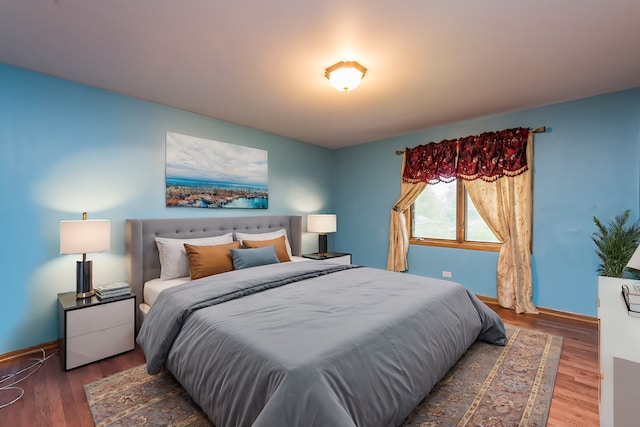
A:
{"x":143,"y":262}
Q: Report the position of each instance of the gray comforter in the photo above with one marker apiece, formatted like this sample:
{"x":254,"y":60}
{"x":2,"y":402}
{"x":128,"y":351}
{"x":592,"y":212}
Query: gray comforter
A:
{"x":313,"y":343}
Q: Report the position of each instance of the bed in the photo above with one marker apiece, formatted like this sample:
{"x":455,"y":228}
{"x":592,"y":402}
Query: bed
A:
{"x":142,"y":256}
{"x":301,"y":343}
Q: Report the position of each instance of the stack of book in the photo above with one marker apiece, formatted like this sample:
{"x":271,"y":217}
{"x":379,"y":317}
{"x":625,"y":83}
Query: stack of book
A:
{"x":110,"y":290}
{"x":631,"y":294}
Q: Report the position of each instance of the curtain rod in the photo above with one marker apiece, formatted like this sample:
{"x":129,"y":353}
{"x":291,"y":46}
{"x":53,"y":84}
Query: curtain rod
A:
{"x":540,"y":129}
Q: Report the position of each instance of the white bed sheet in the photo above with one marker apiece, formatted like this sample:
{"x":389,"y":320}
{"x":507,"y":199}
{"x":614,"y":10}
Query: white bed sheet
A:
{"x":153,"y":287}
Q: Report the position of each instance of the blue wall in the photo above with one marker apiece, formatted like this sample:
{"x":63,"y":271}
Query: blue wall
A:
{"x":586,"y":164}
{"x":67,"y":148}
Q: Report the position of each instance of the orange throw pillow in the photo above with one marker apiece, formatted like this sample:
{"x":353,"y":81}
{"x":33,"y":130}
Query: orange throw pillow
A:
{"x":209,"y":260}
{"x":281,"y":248}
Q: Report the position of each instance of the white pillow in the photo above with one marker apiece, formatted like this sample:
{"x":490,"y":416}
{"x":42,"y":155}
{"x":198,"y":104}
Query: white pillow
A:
{"x":173,"y":257}
{"x":265,"y":236}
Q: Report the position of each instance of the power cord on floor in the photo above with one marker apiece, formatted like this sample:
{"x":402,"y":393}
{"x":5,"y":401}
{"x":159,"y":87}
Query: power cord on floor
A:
{"x":30,"y":370}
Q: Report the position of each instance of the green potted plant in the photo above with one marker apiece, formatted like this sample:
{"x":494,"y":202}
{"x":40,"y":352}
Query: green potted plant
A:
{"x":615,"y":244}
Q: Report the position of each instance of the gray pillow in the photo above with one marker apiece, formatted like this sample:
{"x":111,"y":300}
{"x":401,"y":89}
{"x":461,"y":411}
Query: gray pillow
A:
{"x":245,"y":258}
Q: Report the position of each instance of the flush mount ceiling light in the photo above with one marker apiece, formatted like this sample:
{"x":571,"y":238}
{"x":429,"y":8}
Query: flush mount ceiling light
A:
{"x":345,"y":75}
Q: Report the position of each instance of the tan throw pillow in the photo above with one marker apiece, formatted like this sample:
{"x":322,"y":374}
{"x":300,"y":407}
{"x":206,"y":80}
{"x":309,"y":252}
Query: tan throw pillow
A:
{"x":279,"y":243}
{"x":209,"y":260}
{"x":265,"y":236}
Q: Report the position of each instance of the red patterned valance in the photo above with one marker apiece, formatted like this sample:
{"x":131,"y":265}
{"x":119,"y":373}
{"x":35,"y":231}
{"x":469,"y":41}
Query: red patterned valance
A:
{"x":488,"y":156}
{"x":431,"y":162}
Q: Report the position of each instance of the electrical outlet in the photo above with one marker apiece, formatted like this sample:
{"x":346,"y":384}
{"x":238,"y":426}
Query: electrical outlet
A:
{"x":446,"y":273}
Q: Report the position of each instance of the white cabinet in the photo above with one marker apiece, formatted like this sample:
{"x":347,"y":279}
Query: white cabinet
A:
{"x":92,"y":329}
{"x":619,"y":340}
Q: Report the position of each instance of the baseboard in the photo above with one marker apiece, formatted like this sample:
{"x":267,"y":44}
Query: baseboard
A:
{"x":550,"y":312}
{"x":48,"y":347}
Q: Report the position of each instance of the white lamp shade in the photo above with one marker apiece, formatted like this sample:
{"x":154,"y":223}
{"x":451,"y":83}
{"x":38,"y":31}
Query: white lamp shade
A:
{"x":634,"y":262}
{"x":81,"y":237}
{"x":324,"y":223}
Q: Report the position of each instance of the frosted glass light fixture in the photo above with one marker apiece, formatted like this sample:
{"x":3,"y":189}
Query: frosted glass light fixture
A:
{"x":81,"y":237}
{"x":345,"y":75}
{"x":322,"y":224}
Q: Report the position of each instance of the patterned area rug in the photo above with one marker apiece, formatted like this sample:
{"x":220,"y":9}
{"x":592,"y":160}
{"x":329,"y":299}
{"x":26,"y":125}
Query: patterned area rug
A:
{"x":490,"y":386}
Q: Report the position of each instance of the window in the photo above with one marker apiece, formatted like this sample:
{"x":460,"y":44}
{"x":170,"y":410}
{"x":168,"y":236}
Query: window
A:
{"x":443,"y":215}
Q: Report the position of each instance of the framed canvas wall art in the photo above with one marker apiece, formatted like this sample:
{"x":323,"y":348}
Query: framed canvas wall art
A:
{"x":204,"y":173}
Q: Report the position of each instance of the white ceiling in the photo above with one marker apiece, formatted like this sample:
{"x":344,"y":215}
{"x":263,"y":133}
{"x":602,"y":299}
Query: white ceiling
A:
{"x":260,"y":63}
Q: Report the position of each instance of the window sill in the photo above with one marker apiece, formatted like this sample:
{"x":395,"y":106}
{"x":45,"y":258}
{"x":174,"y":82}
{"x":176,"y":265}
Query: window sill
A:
{"x":478,"y":246}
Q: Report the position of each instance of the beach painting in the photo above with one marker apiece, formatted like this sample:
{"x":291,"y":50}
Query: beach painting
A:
{"x":203,"y":173}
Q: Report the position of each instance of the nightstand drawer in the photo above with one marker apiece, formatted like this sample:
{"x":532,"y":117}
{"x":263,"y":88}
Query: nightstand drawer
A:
{"x":98,"y":345}
{"x":99,"y":317}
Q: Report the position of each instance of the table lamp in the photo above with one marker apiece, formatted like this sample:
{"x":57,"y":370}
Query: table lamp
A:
{"x":81,"y":237}
{"x":634,"y":262}
{"x":323,"y":224}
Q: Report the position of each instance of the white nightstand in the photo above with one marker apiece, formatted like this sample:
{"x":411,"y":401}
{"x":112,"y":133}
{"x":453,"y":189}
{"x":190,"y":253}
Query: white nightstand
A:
{"x":337,"y":257}
{"x":91,"y":329}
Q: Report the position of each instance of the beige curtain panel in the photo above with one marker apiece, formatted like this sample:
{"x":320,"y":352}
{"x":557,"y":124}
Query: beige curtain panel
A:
{"x":505,"y":205}
{"x":399,"y":231}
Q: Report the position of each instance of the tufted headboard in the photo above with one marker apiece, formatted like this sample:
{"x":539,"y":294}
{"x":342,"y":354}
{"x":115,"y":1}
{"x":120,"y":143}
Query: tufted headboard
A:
{"x":143,"y":262}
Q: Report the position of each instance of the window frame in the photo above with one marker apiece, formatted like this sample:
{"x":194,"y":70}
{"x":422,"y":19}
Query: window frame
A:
{"x":461,"y":219}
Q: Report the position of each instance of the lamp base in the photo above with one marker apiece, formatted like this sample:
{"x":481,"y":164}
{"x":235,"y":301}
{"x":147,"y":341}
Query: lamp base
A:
{"x":322,"y":245}
{"x":84,"y":279}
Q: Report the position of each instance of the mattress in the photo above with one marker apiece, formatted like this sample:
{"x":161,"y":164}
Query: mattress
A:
{"x":153,"y":287}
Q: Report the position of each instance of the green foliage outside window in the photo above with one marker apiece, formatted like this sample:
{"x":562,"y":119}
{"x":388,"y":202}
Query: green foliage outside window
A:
{"x":435,"y":216}
{"x":477,"y":230}
{"x":435,"y":212}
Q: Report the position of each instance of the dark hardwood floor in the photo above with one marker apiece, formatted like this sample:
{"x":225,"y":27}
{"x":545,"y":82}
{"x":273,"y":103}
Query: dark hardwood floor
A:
{"x":53,"y":397}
